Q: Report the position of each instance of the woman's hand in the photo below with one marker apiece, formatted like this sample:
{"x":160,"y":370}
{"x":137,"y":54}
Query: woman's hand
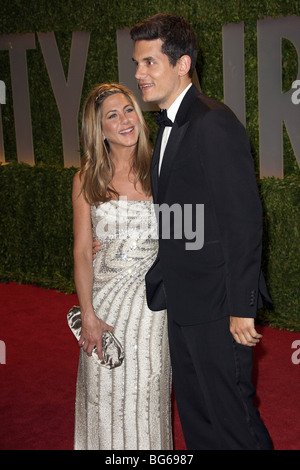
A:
{"x":91,"y":333}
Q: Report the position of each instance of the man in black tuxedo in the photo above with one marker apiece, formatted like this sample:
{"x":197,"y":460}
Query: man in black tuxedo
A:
{"x":212,"y":292}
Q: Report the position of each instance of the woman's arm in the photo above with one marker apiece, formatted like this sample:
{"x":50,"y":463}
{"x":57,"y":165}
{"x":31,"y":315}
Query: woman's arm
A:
{"x":92,"y":327}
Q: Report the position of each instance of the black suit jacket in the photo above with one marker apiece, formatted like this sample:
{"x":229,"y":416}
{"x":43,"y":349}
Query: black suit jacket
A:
{"x":207,"y":162}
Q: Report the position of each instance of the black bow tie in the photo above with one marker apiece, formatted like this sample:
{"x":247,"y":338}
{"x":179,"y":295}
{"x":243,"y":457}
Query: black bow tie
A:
{"x":162,"y":119}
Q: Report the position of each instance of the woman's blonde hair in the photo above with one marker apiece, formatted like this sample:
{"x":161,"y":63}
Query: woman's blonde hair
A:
{"x":97,"y":169}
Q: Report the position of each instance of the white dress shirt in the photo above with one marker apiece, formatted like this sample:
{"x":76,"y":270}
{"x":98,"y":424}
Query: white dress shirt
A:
{"x":171,"y":112}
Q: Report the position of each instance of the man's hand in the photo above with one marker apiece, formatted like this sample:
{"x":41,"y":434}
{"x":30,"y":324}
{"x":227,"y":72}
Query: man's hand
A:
{"x":96,"y":248}
{"x":244,"y":332}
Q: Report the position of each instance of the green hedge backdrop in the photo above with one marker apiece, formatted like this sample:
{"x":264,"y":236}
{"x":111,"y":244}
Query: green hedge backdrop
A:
{"x":36,"y":209}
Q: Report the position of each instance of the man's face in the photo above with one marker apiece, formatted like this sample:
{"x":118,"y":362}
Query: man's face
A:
{"x":157,"y":79}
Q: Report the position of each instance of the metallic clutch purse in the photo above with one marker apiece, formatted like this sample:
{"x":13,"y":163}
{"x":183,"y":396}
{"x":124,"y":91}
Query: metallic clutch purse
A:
{"x":113,"y":353}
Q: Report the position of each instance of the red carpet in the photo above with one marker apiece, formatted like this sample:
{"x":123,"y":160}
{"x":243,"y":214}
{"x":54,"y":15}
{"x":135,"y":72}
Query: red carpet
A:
{"x":37,"y":383}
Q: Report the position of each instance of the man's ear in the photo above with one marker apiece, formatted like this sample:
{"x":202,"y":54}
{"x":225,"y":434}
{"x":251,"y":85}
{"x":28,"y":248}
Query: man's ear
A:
{"x":184,"y":65}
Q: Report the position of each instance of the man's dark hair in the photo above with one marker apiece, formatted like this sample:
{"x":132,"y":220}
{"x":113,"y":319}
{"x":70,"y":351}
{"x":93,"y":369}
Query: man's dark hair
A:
{"x":177,"y":35}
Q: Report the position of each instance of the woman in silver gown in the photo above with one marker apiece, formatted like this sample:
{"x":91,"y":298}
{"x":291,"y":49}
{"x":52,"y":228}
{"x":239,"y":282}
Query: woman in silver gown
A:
{"x":128,"y":407}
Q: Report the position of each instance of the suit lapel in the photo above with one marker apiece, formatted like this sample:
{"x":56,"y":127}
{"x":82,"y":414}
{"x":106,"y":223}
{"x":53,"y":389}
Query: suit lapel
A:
{"x":154,"y":164}
{"x":179,"y":129}
{"x":173,"y":144}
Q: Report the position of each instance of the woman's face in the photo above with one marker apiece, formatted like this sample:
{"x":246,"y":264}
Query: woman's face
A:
{"x":120,"y":123}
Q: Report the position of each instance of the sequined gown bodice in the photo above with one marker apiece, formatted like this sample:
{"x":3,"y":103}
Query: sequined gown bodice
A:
{"x":127,"y":408}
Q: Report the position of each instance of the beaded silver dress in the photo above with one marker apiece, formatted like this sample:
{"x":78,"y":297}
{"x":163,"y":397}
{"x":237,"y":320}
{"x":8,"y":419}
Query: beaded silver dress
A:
{"x":129,"y":407}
